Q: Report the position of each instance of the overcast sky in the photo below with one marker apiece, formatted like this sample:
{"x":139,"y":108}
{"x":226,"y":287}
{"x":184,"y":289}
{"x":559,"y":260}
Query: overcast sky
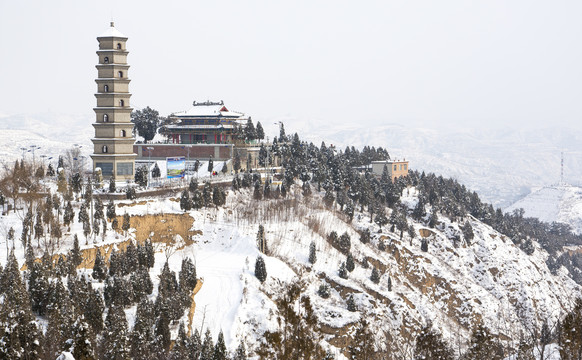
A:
{"x":435,"y":63}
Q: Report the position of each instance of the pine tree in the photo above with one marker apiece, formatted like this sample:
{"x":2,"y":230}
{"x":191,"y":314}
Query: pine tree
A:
{"x":207,"y":348}
{"x":112,"y":188}
{"x":257,"y":194}
{"x":126,"y":224}
{"x":260,"y":133}
{"x":142,"y":336}
{"x":351,"y":305}
{"x":389,"y":283}
{"x":260,"y":269}
{"x":99,"y":268}
{"x":75,"y":254}
{"x":110,"y":212}
{"x":210,"y":165}
{"x":424,"y":245}
{"x":156,"y":171}
{"x":365,"y":236}
{"x":483,"y":345}
{"x":343,"y":272}
{"x":240,"y":353}
{"x":130,"y":192}
{"x":323,"y":291}
{"x":180,"y":349}
{"x":430,"y":345}
{"x":185,"y":203}
{"x":375,"y":276}
{"x":162,"y":333}
{"x":82,"y":340}
{"x":312,"y":253}
{"x":570,"y":341}
{"x":350,"y":266}
{"x":220,"y":348}
{"x":115,"y":338}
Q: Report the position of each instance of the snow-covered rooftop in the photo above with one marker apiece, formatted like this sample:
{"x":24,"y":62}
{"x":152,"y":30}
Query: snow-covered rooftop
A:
{"x":112,"y":32}
{"x":208,"y":108}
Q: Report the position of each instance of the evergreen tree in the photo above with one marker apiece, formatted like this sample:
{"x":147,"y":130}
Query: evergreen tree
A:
{"x":82,"y":340}
{"x":343,"y":272}
{"x":570,"y":340}
{"x":424,"y":245}
{"x":468,"y":234}
{"x":240,"y":353}
{"x":126,"y":224}
{"x":115,"y":338}
{"x":483,"y":346}
{"x":375,"y":276}
{"x":76,"y":183}
{"x":185,"y":203}
{"x":99,"y":268}
{"x":130,"y":192}
{"x":207,"y":194}
{"x":260,"y":133}
{"x":112,"y":188}
{"x":180,"y":349}
{"x":260,"y":269}
{"x":250,"y":132}
{"x":362,"y":346}
{"x":389,"y":283}
{"x":365,"y":236}
{"x":312,"y":253}
{"x":156,"y":171}
{"x":210,"y":165}
{"x":237,"y":162}
{"x":430,"y":345}
{"x":323,"y":291}
{"x":350,"y":266}
{"x":351,"y":305}
{"x":142,"y":336}
{"x":328,"y":199}
{"x":111,"y":211}
{"x":162,"y":333}
{"x":194,"y":345}
{"x":220,"y":352}
{"x":50,"y":170}
{"x":207,"y":349}
{"x":76,"y":257}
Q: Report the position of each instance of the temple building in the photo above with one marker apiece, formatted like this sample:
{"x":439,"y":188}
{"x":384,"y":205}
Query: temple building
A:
{"x":113,"y":141}
{"x":205,"y":123}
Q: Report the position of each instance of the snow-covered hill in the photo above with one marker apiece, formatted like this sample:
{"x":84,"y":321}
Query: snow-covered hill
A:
{"x":501,"y":165}
{"x":488,"y":279}
{"x":53,"y":134}
{"x":560,"y":203}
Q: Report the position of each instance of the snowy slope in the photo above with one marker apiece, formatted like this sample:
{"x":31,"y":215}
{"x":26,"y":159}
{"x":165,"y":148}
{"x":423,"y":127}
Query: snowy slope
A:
{"x":560,"y":203}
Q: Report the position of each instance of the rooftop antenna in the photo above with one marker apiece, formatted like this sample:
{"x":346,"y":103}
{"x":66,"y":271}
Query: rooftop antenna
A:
{"x":562,"y":170}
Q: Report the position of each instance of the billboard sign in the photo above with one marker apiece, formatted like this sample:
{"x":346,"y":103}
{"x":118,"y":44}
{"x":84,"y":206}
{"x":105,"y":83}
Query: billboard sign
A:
{"x":176,"y":167}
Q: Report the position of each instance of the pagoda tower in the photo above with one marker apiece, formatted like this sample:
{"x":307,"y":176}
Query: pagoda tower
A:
{"x":113,"y":141}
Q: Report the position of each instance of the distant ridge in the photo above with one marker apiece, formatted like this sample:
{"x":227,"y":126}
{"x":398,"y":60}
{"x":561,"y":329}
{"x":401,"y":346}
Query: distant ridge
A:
{"x":560,"y":203}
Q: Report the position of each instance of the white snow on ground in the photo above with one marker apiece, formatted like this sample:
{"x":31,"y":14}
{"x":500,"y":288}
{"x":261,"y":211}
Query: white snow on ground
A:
{"x":559,"y":203}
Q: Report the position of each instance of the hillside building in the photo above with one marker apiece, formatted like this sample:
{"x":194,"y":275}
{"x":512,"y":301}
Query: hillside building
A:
{"x":205,"y":123}
{"x":113,"y":141}
{"x":396,"y":168}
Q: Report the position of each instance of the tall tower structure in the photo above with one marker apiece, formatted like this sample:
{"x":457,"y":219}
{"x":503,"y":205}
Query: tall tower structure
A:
{"x":113,"y":141}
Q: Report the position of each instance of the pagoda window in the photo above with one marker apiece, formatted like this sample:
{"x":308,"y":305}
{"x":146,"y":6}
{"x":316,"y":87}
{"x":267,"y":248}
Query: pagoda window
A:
{"x":118,"y":46}
{"x":122,"y":133}
{"x":120,"y":74}
{"x":105,"y":118}
{"x":121,"y":103}
{"x":106,"y":60}
{"x":104,"y":149}
{"x":105,"y":88}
